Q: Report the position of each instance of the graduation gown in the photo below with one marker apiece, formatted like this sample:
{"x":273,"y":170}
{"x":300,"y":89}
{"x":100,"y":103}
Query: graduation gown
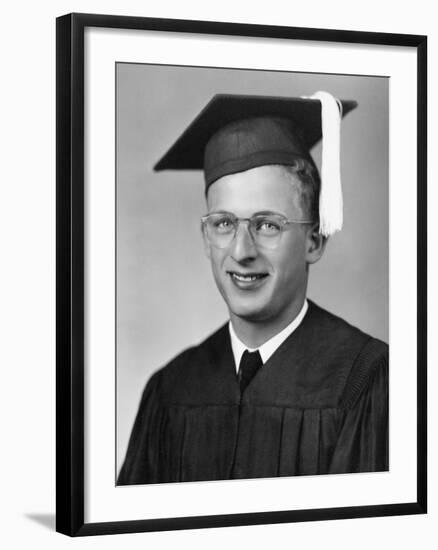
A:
{"x":319,"y":405}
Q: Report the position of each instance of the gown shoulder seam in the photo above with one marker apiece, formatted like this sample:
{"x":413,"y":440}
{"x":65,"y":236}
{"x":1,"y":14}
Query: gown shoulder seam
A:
{"x":372,"y":357}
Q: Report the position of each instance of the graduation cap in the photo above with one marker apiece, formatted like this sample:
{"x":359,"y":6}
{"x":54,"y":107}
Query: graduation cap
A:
{"x":234,"y":133}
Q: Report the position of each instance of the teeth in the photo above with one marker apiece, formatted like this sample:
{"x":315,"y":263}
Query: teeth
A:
{"x":245,"y":278}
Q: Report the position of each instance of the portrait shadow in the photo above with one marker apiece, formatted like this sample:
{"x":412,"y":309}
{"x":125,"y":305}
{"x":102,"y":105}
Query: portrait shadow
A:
{"x":46,"y":520}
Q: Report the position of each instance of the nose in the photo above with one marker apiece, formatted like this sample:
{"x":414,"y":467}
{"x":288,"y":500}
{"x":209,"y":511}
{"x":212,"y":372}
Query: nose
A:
{"x":243,"y":247}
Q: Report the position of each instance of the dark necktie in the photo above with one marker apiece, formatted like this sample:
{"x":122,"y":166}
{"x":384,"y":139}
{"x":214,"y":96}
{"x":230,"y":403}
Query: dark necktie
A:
{"x":249,"y":365}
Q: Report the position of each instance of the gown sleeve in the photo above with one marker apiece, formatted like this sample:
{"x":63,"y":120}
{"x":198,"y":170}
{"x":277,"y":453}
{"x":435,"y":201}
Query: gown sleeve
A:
{"x":141,"y":463}
{"x":362,"y":444}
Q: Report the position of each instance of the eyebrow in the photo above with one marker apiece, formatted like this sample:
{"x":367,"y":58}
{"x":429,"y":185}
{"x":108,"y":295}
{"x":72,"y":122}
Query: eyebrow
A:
{"x":268,"y":212}
{"x":258,"y":213}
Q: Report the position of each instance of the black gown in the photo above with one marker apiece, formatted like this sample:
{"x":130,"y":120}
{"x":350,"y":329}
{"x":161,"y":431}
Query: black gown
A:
{"x":319,"y":405}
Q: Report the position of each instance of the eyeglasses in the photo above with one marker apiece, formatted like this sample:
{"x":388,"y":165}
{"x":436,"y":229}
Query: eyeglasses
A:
{"x":220,"y":228}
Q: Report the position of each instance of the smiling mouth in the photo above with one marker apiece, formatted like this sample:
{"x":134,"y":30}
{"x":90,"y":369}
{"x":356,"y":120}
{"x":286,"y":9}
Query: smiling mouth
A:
{"x":246,"y":277}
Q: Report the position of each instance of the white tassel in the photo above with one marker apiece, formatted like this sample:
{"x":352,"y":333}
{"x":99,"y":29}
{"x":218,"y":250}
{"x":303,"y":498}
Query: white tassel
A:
{"x":330,"y":198}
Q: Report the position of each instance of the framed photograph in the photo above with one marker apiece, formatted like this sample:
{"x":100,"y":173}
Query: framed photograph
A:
{"x":241,"y":274}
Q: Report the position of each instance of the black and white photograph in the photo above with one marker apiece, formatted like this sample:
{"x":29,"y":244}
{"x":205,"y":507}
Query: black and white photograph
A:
{"x":241,"y":302}
{"x":252,"y":274}
{"x":217,"y":279}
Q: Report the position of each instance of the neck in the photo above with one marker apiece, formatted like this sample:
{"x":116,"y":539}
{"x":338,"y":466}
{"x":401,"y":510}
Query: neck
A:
{"x":255,"y":333}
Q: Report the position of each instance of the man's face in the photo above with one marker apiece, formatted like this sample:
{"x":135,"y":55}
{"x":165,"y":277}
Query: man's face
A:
{"x":260,"y":284}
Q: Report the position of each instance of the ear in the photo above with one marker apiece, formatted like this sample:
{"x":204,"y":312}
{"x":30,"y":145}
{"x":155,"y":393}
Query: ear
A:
{"x":315,"y":244}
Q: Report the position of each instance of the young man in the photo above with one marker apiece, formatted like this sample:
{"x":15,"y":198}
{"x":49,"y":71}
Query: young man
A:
{"x":285,"y":387}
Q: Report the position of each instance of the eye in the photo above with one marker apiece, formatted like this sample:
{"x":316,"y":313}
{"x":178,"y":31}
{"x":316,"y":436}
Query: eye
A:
{"x":223,"y":224}
{"x":267,"y":226}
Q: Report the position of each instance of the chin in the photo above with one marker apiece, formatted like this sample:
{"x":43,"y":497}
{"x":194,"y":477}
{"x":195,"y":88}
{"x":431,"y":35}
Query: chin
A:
{"x":248,"y":305}
{"x":250,"y":312}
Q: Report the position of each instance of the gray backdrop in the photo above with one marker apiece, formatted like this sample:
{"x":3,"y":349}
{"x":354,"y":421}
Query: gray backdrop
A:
{"x":166,"y":296}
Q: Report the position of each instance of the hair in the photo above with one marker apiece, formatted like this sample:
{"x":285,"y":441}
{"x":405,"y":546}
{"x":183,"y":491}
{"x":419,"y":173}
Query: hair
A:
{"x":309,"y":184}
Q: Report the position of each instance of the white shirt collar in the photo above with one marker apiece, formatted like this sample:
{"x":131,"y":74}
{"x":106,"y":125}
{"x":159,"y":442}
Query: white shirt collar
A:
{"x":268,"y":348}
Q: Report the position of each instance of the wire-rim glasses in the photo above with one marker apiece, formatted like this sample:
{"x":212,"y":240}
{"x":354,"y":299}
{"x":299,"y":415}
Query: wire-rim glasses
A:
{"x":220,"y":228}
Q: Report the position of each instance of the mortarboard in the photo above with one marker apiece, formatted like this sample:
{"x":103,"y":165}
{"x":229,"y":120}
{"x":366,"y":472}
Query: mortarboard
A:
{"x":234,"y":133}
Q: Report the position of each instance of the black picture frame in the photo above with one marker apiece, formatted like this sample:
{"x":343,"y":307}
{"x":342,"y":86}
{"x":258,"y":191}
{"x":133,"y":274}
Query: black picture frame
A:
{"x":70,"y":272}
